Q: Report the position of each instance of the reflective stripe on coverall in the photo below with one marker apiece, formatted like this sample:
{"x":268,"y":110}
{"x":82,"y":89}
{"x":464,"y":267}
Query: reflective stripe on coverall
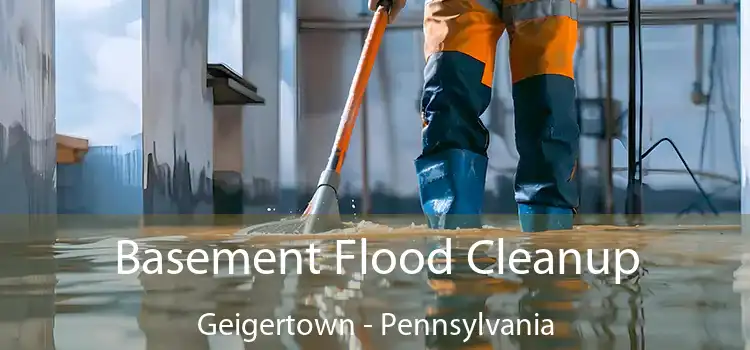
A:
{"x":460,"y":43}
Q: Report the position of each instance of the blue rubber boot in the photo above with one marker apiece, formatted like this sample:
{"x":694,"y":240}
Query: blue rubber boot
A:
{"x":536,"y":218}
{"x":451,"y":188}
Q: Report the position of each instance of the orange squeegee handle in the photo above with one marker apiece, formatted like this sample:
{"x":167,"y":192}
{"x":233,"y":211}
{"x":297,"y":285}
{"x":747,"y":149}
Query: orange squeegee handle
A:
{"x":357,"y":89}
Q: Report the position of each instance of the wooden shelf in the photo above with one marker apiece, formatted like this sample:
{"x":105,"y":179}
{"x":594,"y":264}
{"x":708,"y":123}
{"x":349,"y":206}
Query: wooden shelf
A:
{"x":70,"y":150}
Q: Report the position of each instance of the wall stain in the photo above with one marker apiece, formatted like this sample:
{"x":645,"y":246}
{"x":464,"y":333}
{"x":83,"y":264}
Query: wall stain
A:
{"x":228,"y":193}
{"x":170,"y":191}
{"x":176,"y":104}
{"x":260,"y":192}
{"x":28,"y":196}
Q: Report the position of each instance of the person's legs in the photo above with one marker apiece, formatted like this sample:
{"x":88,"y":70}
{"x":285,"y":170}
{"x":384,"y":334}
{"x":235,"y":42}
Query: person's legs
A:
{"x":544,"y":35}
{"x":460,"y":43}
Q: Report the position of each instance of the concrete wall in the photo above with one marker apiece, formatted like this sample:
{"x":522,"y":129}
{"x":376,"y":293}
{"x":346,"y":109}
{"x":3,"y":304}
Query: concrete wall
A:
{"x":742,"y":275}
{"x":27,"y":170}
{"x":177,"y":108}
{"x":106,"y":172}
{"x":744,"y":30}
{"x":27,"y":117}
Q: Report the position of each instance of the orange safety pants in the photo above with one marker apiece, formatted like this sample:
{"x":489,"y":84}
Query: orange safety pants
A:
{"x":460,"y":45}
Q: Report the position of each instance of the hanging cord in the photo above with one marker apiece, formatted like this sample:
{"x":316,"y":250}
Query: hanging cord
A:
{"x":717,"y":77}
{"x":636,"y":31}
{"x":711,"y":89}
{"x":687,"y":168}
{"x":642,"y":155}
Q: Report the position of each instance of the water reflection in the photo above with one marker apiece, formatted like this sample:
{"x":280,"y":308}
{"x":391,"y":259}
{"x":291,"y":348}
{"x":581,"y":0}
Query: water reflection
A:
{"x":170,"y":306}
{"x":686,"y":300}
{"x":554,"y":297}
{"x":27,"y":297}
{"x":525,"y":311}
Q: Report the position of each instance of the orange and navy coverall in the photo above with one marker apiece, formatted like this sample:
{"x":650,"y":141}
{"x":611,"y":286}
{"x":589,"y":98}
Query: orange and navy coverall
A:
{"x":460,"y":44}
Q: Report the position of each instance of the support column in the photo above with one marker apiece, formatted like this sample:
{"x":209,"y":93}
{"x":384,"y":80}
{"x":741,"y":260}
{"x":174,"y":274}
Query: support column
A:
{"x":177,"y":108}
{"x":744,"y":28}
{"x":225,"y":47}
{"x":288,"y":106}
{"x":610,"y":118}
{"x":27,"y":120}
{"x":270,"y":131}
{"x":260,"y":48}
{"x":228,"y":160}
{"x":742,"y":275}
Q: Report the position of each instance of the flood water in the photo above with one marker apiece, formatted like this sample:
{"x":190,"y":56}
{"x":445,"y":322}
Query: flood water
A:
{"x":69,"y":296}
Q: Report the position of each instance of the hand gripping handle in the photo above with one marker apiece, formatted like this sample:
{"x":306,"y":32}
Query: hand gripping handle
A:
{"x":387,"y":4}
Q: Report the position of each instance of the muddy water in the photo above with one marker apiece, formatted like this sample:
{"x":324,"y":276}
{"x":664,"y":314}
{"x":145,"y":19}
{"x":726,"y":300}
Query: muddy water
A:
{"x":69,"y":296}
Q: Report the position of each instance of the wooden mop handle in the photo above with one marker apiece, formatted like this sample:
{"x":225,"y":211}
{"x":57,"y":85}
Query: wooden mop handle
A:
{"x":357,"y":89}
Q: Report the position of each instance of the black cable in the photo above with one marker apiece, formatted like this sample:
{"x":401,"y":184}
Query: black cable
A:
{"x":694,"y":204}
{"x":687,"y":168}
{"x":635,"y":178}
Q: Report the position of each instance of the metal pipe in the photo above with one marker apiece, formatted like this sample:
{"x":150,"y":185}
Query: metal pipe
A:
{"x":633,"y":205}
{"x":698,"y":96}
{"x":366,"y":200}
{"x":366,"y":203}
{"x":744,"y":97}
{"x":699,"y":57}
{"x":605,"y":146}
{"x":656,"y":15}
